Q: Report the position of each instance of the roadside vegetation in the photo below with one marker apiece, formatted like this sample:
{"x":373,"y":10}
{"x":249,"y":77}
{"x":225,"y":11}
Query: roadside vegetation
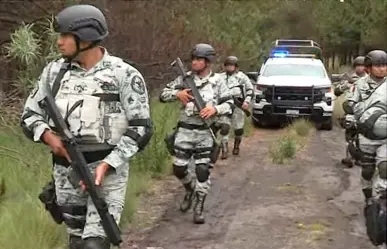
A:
{"x":290,"y":140}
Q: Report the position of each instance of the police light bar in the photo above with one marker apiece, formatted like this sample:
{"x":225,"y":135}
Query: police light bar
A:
{"x":279,"y":53}
{"x":285,"y":54}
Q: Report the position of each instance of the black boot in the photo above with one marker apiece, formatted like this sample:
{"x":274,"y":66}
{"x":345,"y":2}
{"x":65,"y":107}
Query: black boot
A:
{"x":224,"y":145}
{"x":75,"y":242}
{"x":198,"y":217}
{"x":237,"y":142}
{"x":186,"y":204}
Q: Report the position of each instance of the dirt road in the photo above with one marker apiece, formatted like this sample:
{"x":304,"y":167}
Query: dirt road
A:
{"x":313,"y":202}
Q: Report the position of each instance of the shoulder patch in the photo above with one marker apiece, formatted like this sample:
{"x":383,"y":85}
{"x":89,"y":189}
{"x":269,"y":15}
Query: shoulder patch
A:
{"x":138,"y":84}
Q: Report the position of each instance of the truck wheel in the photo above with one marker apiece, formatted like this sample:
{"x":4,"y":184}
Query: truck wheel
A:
{"x":327,"y":125}
{"x":257,"y":123}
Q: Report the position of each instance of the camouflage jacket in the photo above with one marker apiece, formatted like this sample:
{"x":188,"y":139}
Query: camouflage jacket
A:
{"x":214,"y":92}
{"x":239,"y":84}
{"x":97,"y":119}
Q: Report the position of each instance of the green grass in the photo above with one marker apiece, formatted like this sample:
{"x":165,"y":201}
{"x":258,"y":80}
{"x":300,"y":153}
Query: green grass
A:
{"x":25,"y":167}
{"x":293,"y":138}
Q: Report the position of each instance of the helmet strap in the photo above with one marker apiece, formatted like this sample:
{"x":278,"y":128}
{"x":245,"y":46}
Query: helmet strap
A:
{"x":79,"y":50}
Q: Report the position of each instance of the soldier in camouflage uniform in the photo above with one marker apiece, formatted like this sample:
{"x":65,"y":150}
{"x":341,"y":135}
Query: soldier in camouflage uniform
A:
{"x":346,"y":87}
{"x":369,"y":105}
{"x":373,"y":148}
{"x":193,"y":138}
{"x":242,"y":91}
{"x":351,"y":77}
{"x":105,"y":103}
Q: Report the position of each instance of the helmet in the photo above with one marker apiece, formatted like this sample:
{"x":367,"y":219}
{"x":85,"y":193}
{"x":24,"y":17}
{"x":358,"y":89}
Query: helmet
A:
{"x":86,"y":22}
{"x":375,"y":57}
{"x":231,"y":60}
{"x":203,"y":50}
{"x":358,"y":61}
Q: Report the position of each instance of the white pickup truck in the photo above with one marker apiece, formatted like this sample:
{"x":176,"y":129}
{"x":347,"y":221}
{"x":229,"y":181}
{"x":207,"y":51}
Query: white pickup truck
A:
{"x":291,"y":86}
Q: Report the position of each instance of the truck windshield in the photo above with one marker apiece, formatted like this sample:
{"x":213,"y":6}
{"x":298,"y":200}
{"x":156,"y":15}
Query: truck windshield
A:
{"x":293,"y":70}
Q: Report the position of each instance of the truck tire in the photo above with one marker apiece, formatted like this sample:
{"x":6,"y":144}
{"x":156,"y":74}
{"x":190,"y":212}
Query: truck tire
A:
{"x":257,"y":123}
{"x":328,"y":125}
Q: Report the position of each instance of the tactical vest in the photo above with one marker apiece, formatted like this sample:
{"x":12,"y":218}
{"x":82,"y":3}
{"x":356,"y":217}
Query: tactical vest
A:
{"x":87,"y":116}
{"x":373,"y":120}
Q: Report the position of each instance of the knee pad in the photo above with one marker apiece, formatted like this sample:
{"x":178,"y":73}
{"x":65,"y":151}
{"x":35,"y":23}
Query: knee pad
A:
{"x":224,"y":129}
{"x":367,"y":172}
{"x":96,"y":243}
{"x":76,"y":242}
{"x":382,"y":167}
{"x":238,"y":132}
{"x":180,"y":171}
{"x":202,"y":172}
{"x":74,"y":216}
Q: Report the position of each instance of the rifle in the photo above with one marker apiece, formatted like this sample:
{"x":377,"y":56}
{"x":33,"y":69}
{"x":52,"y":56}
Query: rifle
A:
{"x":239,"y":104}
{"x":199,"y":103}
{"x":79,"y":165}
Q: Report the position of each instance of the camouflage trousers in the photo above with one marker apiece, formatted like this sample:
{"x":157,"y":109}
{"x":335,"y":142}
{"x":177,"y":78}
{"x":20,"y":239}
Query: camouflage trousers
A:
{"x":378,"y":148}
{"x":197,"y":145}
{"x":79,"y":212}
{"x":236,"y":121}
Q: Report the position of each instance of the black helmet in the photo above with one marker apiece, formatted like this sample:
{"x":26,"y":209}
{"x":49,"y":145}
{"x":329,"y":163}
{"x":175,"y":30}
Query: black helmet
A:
{"x":358,"y":61}
{"x":86,"y":22}
{"x":203,"y":50}
{"x":375,"y":57}
{"x":231,"y":60}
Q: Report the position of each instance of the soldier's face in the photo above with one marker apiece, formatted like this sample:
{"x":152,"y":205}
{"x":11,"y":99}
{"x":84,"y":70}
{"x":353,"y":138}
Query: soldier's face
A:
{"x":359,"y":69}
{"x":198,"y":64}
{"x":66,"y":44}
{"x":230,"y":68}
{"x":379,"y":71}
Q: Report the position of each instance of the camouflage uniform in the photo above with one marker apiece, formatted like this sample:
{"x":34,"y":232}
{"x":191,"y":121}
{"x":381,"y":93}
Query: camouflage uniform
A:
{"x":370,"y":147}
{"x":193,"y":138}
{"x":241,"y":89}
{"x":368,"y":104}
{"x":371,"y":116}
{"x":347,"y":86}
{"x":114,"y":114}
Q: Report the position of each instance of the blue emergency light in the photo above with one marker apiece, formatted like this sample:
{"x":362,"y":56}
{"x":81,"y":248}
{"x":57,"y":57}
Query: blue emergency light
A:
{"x":280,"y":53}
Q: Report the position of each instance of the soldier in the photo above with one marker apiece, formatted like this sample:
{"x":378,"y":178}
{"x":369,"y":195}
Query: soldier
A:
{"x":193,"y":138}
{"x":373,"y":148}
{"x":242,"y":91}
{"x":351,"y":77}
{"x":369,"y":104}
{"x":348,"y":124}
{"x":104,"y":100}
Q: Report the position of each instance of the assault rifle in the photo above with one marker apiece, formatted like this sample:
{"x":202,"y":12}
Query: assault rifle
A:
{"x":198,"y":101}
{"x":239,"y":104}
{"x":79,"y":165}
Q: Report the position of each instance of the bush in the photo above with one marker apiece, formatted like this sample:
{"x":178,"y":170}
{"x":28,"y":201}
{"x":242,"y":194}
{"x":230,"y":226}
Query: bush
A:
{"x":302,"y":127}
{"x":283,"y":148}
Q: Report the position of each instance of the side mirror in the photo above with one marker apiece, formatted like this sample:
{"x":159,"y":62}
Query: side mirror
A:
{"x":252,"y":76}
